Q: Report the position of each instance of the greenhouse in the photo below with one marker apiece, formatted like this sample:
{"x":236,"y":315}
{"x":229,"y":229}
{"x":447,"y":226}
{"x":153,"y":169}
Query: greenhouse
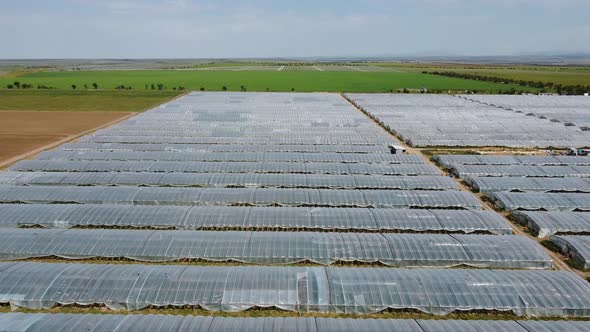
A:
{"x":494,"y":184}
{"x":301,"y":157}
{"x":564,"y":109}
{"x":340,"y":148}
{"x":228,"y":180}
{"x":294,"y":202}
{"x":24,"y":322}
{"x":226,"y":167}
{"x":575,"y":246}
{"x":252,"y":218}
{"x":425,"y":120}
{"x":301,"y":289}
{"x":485,"y":251}
{"x":521,"y":171}
{"x":452,"y":160}
{"x":240,"y":197}
{"x":554,"y":222}
{"x":542,"y":201}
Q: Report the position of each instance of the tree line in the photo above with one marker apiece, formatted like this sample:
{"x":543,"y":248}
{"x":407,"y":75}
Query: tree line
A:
{"x":544,"y":86}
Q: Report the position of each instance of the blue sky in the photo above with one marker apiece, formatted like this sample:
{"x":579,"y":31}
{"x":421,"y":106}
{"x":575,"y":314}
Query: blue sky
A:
{"x":265,"y":28}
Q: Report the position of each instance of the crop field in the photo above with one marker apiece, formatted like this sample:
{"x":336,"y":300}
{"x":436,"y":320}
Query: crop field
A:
{"x":32,"y":119}
{"x":556,"y":74}
{"x":307,"y":81}
{"x":565,"y":77}
{"x":68,"y":100}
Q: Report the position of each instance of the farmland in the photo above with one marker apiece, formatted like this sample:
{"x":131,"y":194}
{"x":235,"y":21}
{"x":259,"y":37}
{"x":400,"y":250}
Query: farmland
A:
{"x":565,"y":75}
{"x":32,"y":119}
{"x":68,"y":100}
{"x":236,"y":201}
{"x":300,"y":81}
{"x":209,"y":197}
{"x":24,"y":131}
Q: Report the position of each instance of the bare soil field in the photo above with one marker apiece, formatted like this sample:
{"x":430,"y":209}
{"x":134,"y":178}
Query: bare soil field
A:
{"x":22,"y":132}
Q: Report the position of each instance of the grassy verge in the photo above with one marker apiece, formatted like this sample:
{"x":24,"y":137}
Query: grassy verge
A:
{"x":68,"y":100}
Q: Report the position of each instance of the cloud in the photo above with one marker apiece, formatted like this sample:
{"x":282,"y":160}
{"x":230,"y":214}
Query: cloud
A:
{"x":184,"y":28}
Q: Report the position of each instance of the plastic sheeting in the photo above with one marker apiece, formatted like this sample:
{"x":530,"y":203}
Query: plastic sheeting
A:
{"x":249,"y":118}
{"x":298,"y":138}
{"x":493,"y":184}
{"x":541,"y":201}
{"x":569,"y":110}
{"x":221,"y":180}
{"x":340,"y":290}
{"x":575,"y":246}
{"x":210,"y":156}
{"x":442,"y":120}
{"x":226,"y":148}
{"x":452,"y":160}
{"x":550,"y":223}
{"x":521,"y":171}
{"x":242,"y":196}
{"x":22,"y":322}
{"x":225,"y":167}
{"x":486,"y":251}
{"x":252,"y":218}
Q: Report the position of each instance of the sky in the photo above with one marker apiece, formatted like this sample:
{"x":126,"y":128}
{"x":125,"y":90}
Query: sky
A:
{"x":34,"y":29}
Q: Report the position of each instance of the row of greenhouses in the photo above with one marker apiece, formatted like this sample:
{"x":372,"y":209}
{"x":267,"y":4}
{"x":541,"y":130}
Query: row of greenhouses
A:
{"x":483,"y":251}
{"x":223,"y":167}
{"x":301,"y":289}
{"x":424,"y":120}
{"x":252,"y":218}
{"x":228,"y":180}
{"x":10,"y":322}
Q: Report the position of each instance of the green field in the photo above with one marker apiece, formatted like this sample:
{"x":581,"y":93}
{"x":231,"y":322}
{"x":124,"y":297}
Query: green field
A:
{"x":555,"y":74}
{"x":67,"y":100}
{"x":256,"y":81}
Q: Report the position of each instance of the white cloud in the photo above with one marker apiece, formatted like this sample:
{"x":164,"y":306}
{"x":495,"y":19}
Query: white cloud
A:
{"x":184,"y":28}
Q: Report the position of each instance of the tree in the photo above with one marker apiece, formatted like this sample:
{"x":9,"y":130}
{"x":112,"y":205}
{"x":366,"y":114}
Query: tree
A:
{"x":95,"y":86}
{"x":86,"y":86}
{"x":202,"y":89}
{"x":224,"y":88}
{"x":292,"y":89}
{"x":74,"y":86}
{"x":242,"y":88}
{"x":10,"y":86}
{"x":16,"y":84}
{"x":153,"y":86}
{"x":160,"y":86}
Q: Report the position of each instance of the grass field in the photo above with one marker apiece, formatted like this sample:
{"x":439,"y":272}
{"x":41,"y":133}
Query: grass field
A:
{"x":256,"y":80}
{"x":68,"y":100}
